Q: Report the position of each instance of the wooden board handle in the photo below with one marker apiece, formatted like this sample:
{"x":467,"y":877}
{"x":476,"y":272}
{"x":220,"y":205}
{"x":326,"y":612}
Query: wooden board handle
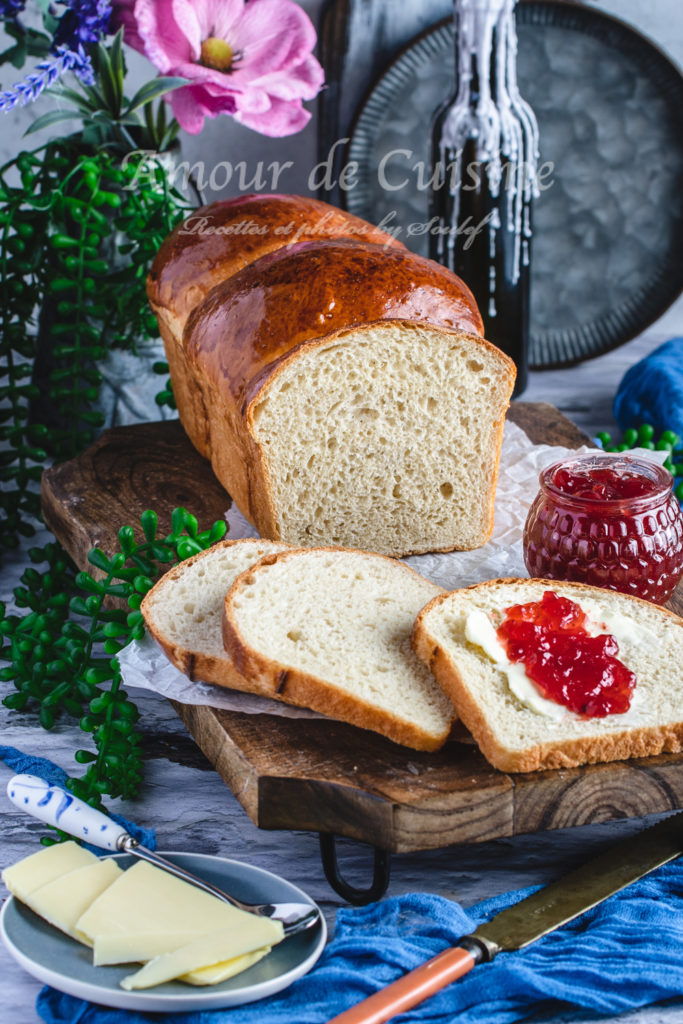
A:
{"x":411,"y":989}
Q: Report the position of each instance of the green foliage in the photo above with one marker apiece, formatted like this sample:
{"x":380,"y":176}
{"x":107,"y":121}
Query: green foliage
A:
{"x":110,"y":120}
{"x":165,"y":397}
{"x":76,"y":245}
{"x":22,"y":243}
{"x":81,"y":219}
{"x":28,"y":42}
{"x":644,"y":437}
{"x":61,"y":652}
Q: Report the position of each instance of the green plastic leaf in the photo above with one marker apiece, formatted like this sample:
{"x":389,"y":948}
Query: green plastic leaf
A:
{"x":98,"y":558}
{"x":51,"y":118}
{"x":149,"y":522}
{"x":153,"y":90}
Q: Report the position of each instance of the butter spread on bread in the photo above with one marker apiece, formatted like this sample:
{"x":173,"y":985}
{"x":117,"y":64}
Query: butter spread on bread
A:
{"x":511,"y":735}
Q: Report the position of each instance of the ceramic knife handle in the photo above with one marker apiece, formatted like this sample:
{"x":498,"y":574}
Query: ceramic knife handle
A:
{"x":56,"y":807}
{"x":411,"y":989}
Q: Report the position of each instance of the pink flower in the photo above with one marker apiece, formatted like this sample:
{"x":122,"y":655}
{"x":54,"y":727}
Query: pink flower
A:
{"x":250,"y":60}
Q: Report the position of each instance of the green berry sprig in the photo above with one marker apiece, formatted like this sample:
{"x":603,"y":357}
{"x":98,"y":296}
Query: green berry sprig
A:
{"x":62,"y":653}
{"x":644,"y":437}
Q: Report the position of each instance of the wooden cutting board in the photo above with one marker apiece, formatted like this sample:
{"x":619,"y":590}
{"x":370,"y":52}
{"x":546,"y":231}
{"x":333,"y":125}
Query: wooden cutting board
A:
{"x":321,"y":775}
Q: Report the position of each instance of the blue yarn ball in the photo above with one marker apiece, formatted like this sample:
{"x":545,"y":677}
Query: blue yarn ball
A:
{"x":652,"y":391}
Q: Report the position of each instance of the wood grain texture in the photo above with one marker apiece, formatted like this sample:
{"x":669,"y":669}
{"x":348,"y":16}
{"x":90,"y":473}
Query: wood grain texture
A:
{"x":323,"y":775}
{"x":128,"y":470}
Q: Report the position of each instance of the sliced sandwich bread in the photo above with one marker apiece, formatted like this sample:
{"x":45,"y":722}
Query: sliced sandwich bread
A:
{"x":516,"y":727}
{"x":183,"y":611}
{"x":329,"y":629}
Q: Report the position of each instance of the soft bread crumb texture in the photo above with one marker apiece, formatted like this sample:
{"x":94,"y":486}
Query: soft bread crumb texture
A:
{"x":339,"y":623}
{"x":184,"y":609}
{"x":387,"y":438}
{"x":513,"y":737}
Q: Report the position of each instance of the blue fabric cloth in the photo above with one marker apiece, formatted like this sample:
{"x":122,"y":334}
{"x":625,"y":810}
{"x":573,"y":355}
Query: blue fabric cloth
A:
{"x":652,"y":391}
{"x":29,"y":764}
{"x":625,"y":953}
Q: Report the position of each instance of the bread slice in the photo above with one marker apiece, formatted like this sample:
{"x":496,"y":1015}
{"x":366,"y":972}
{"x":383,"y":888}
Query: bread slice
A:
{"x":329,"y":629}
{"x":386,"y":437}
{"x":183,"y":611}
{"x":515,"y":738}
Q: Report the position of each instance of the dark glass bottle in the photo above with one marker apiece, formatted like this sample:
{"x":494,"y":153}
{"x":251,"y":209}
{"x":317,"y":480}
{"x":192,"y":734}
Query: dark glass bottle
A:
{"x":484,"y":154}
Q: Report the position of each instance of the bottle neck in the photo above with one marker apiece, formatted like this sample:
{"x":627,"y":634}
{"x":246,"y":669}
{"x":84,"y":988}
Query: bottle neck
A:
{"x":480,"y":51}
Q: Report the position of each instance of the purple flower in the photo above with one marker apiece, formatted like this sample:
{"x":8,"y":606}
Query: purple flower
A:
{"x":9,"y":9}
{"x":84,"y":22}
{"x":45,"y":75}
{"x":250,"y":60}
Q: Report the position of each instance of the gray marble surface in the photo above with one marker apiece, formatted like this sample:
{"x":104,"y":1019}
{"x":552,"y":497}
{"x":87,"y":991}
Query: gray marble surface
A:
{"x":191,"y":808}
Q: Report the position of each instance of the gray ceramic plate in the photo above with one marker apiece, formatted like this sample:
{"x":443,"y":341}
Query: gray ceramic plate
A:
{"x":606,"y":253}
{"x":54,"y":958}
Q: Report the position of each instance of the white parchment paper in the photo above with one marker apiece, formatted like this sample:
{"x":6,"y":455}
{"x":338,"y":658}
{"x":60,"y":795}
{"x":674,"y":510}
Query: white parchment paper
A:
{"x":145,"y":665}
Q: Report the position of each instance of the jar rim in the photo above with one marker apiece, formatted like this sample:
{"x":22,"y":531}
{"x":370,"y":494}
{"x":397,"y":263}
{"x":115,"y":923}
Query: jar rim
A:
{"x":619,"y":461}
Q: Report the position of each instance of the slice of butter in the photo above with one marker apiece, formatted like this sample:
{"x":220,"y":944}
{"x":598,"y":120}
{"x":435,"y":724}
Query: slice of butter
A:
{"x":44,"y":867}
{"x":145,"y":898}
{"x":62,"y":901}
{"x":144,"y":946}
{"x":216,"y":973}
{"x":480,"y":631}
{"x":137,"y":947}
{"x":251,"y":935}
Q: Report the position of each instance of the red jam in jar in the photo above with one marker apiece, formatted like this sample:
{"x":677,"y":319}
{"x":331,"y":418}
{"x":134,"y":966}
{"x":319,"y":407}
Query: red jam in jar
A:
{"x":608,"y":520}
{"x":568,"y":665}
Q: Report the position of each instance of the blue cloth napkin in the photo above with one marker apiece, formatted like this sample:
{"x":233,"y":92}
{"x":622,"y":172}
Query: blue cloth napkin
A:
{"x":28,"y":764}
{"x":626,"y":953}
{"x":652,"y":391}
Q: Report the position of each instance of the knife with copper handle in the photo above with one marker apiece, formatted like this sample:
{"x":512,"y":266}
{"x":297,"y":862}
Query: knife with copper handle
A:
{"x":528,"y":920}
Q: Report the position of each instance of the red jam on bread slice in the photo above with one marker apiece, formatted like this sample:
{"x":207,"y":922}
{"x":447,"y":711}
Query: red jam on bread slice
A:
{"x":569,"y":666}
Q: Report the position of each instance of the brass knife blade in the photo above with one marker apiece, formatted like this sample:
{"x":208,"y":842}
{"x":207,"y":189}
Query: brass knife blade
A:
{"x":583,"y":888}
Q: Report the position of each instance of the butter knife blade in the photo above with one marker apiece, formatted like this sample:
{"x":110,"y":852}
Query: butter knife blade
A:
{"x":584,"y":888}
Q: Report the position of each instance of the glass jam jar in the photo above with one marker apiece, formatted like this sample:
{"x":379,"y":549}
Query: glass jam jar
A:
{"x":608,"y":520}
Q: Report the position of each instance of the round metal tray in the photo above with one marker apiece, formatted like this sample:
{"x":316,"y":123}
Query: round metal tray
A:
{"x":607,"y":257}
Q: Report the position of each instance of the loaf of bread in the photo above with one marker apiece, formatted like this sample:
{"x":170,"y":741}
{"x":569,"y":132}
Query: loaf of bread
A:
{"x":329,"y":629}
{"x":184,"y":611}
{"x":340,"y":388}
{"x":517,"y":731}
{"x":217,"y":241}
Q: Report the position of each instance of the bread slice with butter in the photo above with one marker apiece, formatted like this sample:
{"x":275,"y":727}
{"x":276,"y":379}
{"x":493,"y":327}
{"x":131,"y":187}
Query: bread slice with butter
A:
{"x":329,"y":629}
{"x":516,"y":728}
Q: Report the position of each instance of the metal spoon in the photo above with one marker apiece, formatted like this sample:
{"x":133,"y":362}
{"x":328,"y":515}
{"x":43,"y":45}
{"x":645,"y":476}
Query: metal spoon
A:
{"x":57,"y":807}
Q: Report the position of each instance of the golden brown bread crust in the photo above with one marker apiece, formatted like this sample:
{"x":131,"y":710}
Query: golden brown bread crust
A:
{"x":635,"y":742}
{"x":281,"y":682}
{"x":222,"y":238}
{"x":212,"y":244}
{"x":309,"y":291}
{"x":252,"y":323}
